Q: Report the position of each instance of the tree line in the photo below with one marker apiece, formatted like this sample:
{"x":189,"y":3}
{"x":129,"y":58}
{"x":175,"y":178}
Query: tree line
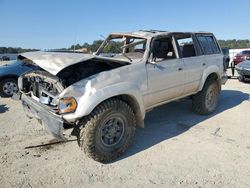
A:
{"x":234,"y":44}
{"x":231,"y":44}
{"x":13,"y":50}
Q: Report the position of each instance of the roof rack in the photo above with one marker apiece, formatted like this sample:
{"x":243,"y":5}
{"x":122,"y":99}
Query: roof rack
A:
{"x":152,"y":31}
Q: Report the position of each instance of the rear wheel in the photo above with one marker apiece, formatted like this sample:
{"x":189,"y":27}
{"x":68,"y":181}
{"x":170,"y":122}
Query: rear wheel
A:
{"x":8,"y":87}
{"x":205,"y":102}
{"x":108,"y":131}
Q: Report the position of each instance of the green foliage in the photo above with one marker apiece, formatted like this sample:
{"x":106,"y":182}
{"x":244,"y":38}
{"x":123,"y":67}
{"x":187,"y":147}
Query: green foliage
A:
{"x":234,"y":44}
{"x":113,"y":47}
{"x":95,"y":45}
{"x":11,"y":50}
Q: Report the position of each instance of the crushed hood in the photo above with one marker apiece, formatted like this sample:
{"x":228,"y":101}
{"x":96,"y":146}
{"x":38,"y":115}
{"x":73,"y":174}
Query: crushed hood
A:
{"x":54,"y":62}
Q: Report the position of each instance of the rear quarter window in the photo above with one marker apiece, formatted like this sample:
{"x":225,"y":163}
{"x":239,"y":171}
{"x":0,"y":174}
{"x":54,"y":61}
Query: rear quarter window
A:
{"x":208,"y":44}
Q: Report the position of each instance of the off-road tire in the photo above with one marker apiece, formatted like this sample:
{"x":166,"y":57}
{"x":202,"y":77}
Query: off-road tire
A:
{"x":90,"y":138}
{"x":199,"y":100}
{"x":2,"y":93}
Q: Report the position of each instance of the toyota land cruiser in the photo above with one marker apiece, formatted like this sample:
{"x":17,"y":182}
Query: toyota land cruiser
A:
{"x":104,"y":96}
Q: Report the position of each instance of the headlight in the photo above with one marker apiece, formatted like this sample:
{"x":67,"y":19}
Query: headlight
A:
{"x":67,"y":105}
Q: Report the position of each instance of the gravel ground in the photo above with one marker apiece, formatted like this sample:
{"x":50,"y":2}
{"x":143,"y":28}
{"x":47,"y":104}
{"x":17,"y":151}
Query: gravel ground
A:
{"x":176,"y":149}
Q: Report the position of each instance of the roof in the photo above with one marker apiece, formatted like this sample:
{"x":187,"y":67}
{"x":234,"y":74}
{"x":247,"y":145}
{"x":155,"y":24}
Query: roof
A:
{"x":153,"y":33}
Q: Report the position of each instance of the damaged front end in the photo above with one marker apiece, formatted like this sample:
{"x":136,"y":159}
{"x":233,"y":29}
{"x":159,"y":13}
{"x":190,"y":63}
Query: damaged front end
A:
{"x":39,"y":91}
{"x":52,"y":122}
{"x":47,"y":96}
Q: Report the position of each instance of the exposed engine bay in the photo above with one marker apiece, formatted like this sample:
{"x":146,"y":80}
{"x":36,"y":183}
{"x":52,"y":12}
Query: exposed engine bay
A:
{"x":79,"y":71}
{"x":44,"y":87}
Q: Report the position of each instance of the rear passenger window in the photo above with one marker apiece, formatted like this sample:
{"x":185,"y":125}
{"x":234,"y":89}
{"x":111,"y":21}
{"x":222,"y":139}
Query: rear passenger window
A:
{"x":208,"y":45}
{"x":186,"y":45}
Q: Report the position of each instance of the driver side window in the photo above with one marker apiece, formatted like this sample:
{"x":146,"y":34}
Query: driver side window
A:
{"x":163,"y":49}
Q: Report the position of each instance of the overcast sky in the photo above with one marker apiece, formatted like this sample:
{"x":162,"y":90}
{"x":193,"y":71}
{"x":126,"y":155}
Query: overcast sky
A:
{"x":47,"y":24}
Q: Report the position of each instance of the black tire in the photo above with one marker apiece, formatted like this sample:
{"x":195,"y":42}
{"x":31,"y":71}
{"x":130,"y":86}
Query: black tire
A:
{"x":201,"y":102}
{"x":3,"y":92}
{"x":95,"y":136}
{"x":241,"y":78}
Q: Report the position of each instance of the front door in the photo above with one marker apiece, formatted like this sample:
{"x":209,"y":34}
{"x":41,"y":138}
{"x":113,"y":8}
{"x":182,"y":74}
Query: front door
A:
{"x":166,"y":75}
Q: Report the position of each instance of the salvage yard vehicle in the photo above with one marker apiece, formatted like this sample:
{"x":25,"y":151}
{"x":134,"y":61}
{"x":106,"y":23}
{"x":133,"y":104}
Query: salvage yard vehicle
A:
{"x":103,"y":99}
{"x":243,"y":70}
{"x":9,"y":74}
{"x":240,"y":57}
{"x":4,"y":58}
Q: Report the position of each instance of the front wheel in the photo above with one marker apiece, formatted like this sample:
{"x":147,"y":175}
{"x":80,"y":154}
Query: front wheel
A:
{"x":241,"y":78}
{"x":107,"y":131}
{"x":205,"y":102}
{"x":8,"y":87}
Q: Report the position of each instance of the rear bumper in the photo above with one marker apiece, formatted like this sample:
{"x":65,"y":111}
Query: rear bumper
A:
{"x":53,"y":123}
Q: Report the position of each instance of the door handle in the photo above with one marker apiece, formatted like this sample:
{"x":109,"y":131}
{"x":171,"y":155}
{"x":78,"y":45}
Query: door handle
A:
{"x":180,"y":69}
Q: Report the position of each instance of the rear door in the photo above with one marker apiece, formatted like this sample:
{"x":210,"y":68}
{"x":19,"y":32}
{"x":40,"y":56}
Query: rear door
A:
{"x":210,"y":49}
{"x":193,"y":60}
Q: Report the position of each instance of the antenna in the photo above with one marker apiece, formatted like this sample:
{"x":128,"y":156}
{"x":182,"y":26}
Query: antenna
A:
{"x":74,"y":48}
{"x":102,"y":36}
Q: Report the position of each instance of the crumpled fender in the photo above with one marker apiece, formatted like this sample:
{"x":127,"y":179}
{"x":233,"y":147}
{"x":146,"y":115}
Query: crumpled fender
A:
{"x":88,"y":97}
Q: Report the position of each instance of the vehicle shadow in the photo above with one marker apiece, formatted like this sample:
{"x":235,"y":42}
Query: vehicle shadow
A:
{"x":3,"y":108}
{"x":175,"y":118}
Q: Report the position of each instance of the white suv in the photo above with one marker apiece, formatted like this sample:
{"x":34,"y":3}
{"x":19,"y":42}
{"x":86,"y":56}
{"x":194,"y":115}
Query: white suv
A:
{"x":104,"y":96}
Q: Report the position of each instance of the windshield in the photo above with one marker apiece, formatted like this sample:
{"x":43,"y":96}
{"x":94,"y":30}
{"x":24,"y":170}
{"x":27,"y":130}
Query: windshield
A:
{"x":123,"y":47}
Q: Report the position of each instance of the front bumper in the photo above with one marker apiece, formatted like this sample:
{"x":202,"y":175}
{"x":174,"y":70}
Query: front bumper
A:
{"x":244,"y":73}
{"x":52,"y":122}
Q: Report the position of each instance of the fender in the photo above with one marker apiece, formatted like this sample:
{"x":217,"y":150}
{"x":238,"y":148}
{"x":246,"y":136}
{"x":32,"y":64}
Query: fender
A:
{"x":8,"y":76}
{"x":93,"y":97}
{"x":209,"y":70}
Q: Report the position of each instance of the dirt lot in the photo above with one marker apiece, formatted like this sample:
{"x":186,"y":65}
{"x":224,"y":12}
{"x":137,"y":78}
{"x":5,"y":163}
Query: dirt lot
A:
{"x":177,"y":148}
